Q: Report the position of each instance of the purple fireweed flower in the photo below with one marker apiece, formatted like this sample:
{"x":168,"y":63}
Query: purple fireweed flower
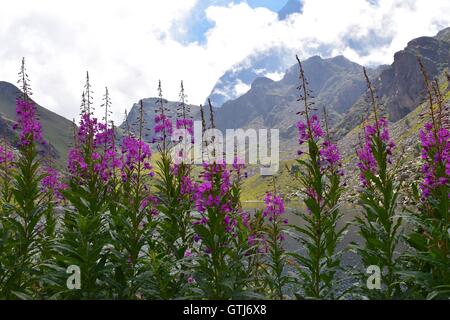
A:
{"x":149,"y":204}
{"x":31,"y":130}
{"x":436,"y":154}
{"x":303,"y":135}
{"x":190,"y":280}
{"x":92,"y":131}
{"x":329,"y":155}
{"x":187,"y":186}
{"x":367,"y":162}
{"x":110,"y":162}
{"x":88,"y":128}
{"x":135,"y":151}
{"x":251,"y":240}
{"x":205,"y":187}
{"x":274,"y":206}
{"x":51,"y":183}
{"x":245,"y":217}
{"x":315,"y":128}
{"x":213,"y":189}
{"x":186,"y":124}
{"x":96,"y":139}
{"x":188,"y":253}
{"x":238,"y":165}
{"x":75,"y":162}
{"x":6,"y":156}
{"x":213,"y":192}
{"x":163,"y":128}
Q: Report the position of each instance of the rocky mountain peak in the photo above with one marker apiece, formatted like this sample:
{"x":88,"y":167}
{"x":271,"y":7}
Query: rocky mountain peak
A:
{"x":444,"y":35}
{"x":261,"y":82}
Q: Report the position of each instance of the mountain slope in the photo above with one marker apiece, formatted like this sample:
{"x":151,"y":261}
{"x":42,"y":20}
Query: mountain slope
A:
{"x":336,"y":84}
{"x":57,"y":130}
{"x":404,"y":132}
{"x":150,"y":106}
{"x":235,"y":82}
{"x":400,"y":87}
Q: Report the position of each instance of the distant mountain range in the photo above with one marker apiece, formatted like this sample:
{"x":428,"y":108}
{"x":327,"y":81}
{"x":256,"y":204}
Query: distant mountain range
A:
{"x":400,"y":87}
{"x":337,"y":84}
{"x":150,"y":105}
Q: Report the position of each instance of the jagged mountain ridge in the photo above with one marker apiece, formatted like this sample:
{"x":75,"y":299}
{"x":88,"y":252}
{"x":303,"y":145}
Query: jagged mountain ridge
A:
{"x":339,"y":85}
{"x":400,"y":87}
{"x":149,"y":108}
{"x":336,"y":83}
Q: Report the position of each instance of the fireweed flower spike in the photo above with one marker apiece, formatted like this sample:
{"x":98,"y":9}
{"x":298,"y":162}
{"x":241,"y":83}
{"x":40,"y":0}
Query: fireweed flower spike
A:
{"x":319,"y":177}
{"x":6,"y":169}
{"x":6,"y":156}
{"x":173,"y":181}
{"x":435,"y":142}
{"x":273,"y":238}
{"x":88,"y":194}
{"x":163,"y":124}
{"x":184,"y":119}
{"x":378,"y":198}
{"x":133,"y":218}
{"x":30,"y":128}
{"x":20,"y":246}
{"x":429,"y":264}
{"x":218,"y":230}
{"x":367,"y":162}
{"x":52,"y":184}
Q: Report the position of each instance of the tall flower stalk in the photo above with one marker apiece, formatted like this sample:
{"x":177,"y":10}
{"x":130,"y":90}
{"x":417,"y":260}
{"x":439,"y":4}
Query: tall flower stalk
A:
{"x":320,"y":179}
{"x":20,"y":259}
{"x":429,"y":261}
{"x":84,"y":233}
{"x":172,"y":186}
{"x":219,"y":271}
{"x":163,"y":124}
{"x":379,"y":226}
{"x":132,"y":219}
{"x":274,"y":238}
{"x":6,"y":168}
{"x":175,"y":186}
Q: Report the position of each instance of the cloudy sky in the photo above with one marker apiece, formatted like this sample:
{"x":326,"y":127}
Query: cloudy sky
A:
{"x":129,"y":45}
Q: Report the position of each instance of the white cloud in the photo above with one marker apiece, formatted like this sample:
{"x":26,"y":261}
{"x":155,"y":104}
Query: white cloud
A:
{"x":240,"y":88}
{"x":275,"y":76}
{"x":128,"y":46}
